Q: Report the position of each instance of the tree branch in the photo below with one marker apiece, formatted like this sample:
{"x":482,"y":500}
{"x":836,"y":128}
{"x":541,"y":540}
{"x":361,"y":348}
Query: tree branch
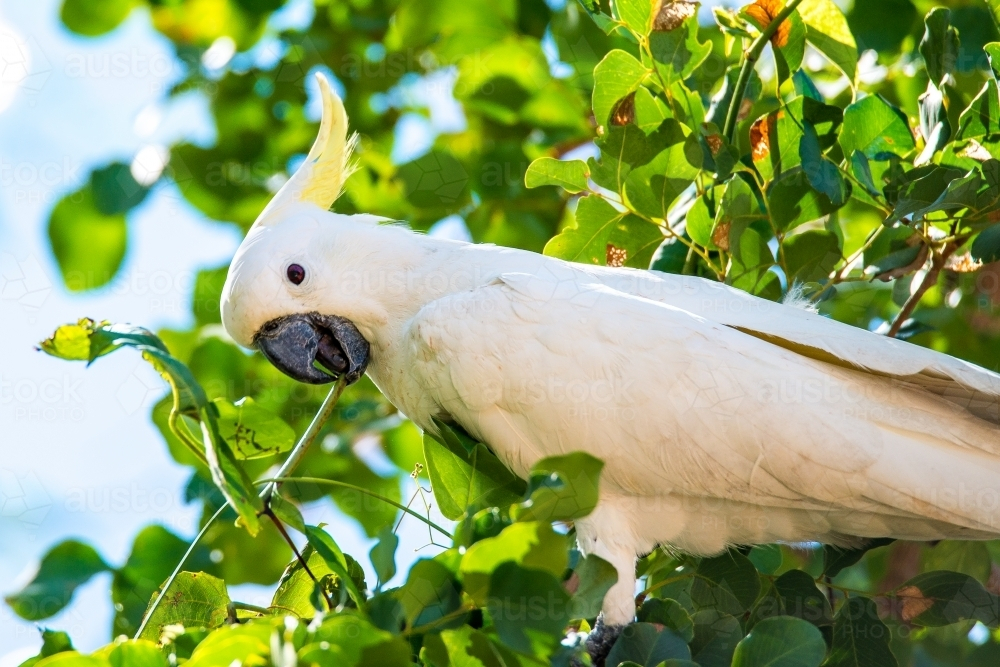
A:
{"x":749,"y":61}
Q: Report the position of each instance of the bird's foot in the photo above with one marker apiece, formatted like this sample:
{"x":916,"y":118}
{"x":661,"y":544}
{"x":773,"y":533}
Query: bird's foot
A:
{"x":601,"y":639}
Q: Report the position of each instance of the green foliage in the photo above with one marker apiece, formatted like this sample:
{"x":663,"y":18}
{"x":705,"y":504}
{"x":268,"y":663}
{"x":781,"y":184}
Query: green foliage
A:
{"x":824,"y":176}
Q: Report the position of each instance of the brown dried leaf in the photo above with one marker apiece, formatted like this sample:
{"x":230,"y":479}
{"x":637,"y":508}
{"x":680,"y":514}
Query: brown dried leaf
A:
{"x":714,"y":142}
{"x":672,"y":13}
{"x":720,"y":235}
{"x":615,"y":256}
{"x":914,"y":602}
{"x":760,"y":141}
{"x":624,"y":111}
{"x":765,"y":11}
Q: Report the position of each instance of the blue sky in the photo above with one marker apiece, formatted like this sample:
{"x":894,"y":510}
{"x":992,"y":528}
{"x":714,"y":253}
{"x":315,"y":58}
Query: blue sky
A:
{"x":68,"y":433}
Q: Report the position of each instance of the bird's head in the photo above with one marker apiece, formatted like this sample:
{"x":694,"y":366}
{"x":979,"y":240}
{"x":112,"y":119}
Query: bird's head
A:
{"x":284,"y":293}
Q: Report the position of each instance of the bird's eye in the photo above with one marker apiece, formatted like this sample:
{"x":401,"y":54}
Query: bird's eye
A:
{"x":296,"y":274}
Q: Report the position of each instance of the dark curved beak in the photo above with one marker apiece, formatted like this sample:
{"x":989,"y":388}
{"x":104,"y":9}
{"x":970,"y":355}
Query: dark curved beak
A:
{"x":314,"y":348}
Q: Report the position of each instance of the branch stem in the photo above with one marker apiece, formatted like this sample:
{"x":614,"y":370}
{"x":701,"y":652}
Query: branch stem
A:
{"x":938,"y":260}
{"x":749,"y":61}
{"x":302,"y":446}
{"x":298,"y":554}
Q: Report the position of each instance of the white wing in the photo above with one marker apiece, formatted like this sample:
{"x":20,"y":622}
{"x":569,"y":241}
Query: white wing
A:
{"x":680,"y":407}
{"x":813,"y":335}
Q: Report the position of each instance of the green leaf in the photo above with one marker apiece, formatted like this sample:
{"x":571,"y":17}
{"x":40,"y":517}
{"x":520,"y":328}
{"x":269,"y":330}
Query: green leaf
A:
{"x":781,"y":642}
{"x":65,"y":567}
{"x":716,"y":636}
{"x":239,"y":644}
{"x":295,"y":588}
{"x":766,"y":557}
{"x":348,"y":639}
{"x":860,"y":638}
{"x":383,"y":554}
{"x":514,"y":595}
{"x":194,"y":600}
{"x":637,"y":14}
{"x":793,"y":201}
{"x":920,"y":196}
{"x":53,"y":641}
{"x":652,"y":187}
{"x":828,"y":31}
{"x":154,"y":555}
{"x":188,"y":396}
{"x":728,"y":583}
{"x":862,"y":171}
{"x":751,"y":260}
{"x":89,"y":245}
{"x":430,"y":593}
{"x":570,"y":175}
{"x":940,"y":598}
{"x":464,"y":481}
{"x":775,"y":138}
{"x":939,"y":46}
{"x":252,"y":431}
{"x":644,"y":644}
{"x":810,"y":256}
{"x":986,"y":246}
{"x":668,"y":613}
{"x":823,"y":175}
{"x":701,"y":217}
{"x":678,"y":53}
{"x":835,"y":559}
{"x":982,"y":116}
{"x":882,"y":25}
{"x":605,"y":236}
{"x":876,"y":128}
{"x":800,"y":598}
{"x":136,"y":653}
{"x":650,"y":110}
{"x":330,"y":552}
{"x":287,"y":512}
{"x":533,"y":545}
{"x":94,"y":17}
{"x":617,"y":75}
{"x":561,"y":488}
{"x":72,"y":659}
{"x":115,"y":189}
{"x":594,"y":577}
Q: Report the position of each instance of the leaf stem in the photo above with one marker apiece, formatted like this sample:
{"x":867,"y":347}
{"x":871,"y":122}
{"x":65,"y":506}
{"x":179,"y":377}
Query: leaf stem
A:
{"x":298,"y":554}
{"x":173,"y":575}
{"x":938,"y":260}
{"x":749,"y":61}
{"x":333,"y":482}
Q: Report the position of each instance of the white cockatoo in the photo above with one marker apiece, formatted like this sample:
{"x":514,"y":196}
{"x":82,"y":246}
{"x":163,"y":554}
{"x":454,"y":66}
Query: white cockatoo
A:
{"x":722,"y":418}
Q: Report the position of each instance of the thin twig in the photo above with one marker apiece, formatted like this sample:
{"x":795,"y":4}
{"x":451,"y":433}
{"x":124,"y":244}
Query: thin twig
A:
{"x":749,"y":61}
{"x":177,"y":570}
{"x":298,"y":555}
{"x":938,"y":260}
{"x":333,"y":482}
{"x":302,"y":446}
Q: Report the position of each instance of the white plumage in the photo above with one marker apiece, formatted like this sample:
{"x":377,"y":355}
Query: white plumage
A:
{"x":722,"y":418}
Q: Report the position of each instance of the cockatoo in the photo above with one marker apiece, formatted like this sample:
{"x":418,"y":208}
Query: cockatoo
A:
{"x":722,"y":418}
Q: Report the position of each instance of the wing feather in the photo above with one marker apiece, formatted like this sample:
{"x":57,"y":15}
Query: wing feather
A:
{"x":682,"y":406}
